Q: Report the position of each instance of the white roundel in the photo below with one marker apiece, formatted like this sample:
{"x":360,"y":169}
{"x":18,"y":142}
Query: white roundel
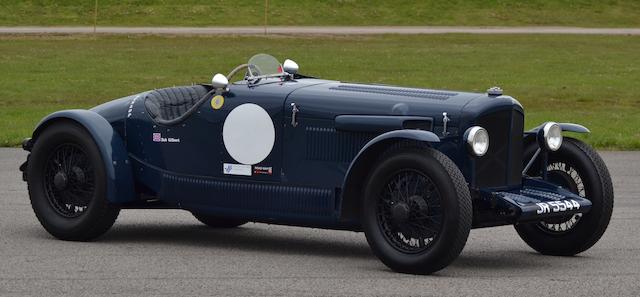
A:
{"x":248,"y":134}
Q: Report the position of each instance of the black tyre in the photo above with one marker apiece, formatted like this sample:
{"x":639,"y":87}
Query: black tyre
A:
{"x":67,"y":184}
{"x":577,"y":167}
{"x":218,"y":222}
{"x":416,"y":210}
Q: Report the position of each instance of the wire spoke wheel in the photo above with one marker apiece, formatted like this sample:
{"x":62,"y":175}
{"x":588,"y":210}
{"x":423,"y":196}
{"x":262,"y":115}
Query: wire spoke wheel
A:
{"x":577,"y":168}
{"x":416,"y":209}
{"x":409,"y":211}
{"x":69,"y":180}
{"x":563,"y":174}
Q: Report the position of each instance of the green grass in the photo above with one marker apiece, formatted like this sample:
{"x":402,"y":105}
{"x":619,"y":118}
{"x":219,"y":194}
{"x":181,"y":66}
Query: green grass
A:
{"x":591,"y":80}
{"x":589,"y":13}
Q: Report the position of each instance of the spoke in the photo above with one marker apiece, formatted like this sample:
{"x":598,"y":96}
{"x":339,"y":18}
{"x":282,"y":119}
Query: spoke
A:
{"x":406,"y":185}
{"x":415,"y":185}
{"x":423,"y":227}
{"x":417,"y":232}
{"x":73,"y":162}
{"x":397,"y":189}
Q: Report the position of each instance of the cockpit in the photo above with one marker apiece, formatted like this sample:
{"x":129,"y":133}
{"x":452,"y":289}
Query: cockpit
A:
{"x":171,"y":106}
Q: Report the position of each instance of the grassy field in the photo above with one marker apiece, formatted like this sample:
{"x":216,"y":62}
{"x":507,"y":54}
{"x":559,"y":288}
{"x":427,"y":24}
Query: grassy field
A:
{"x":591,"y":80}
{"x":589,"y":13}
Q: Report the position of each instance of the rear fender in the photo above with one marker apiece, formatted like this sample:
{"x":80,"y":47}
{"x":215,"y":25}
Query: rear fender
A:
{"x":364,"y":161}
{"x":120,"y":188}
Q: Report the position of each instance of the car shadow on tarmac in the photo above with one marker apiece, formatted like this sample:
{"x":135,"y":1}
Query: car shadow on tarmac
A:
{"x":241,"y":238}
{"x":300,"y":242}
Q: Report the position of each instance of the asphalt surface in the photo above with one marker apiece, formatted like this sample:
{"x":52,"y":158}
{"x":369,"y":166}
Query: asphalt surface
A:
{"x":318,"y":30}
{"x":161,"y":252}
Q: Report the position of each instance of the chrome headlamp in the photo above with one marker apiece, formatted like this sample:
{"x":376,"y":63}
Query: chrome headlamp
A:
{"x":477,"y":139}
{"x":550,"y":136}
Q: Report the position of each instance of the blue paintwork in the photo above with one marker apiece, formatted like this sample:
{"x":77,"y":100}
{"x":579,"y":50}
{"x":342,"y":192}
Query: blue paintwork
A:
{"x":114,"y":153}
{"x":381,"y":124}
{"x":417,"y":135}
{"x":317,"y":166}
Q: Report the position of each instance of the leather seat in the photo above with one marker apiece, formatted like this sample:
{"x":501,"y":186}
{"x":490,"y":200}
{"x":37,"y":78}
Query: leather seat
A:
{"x":165,"y":105}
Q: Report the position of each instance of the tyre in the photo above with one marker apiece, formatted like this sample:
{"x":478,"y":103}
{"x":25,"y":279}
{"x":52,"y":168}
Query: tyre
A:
{"x":67,"y":184}
{"x":416,"y":210}
{"x":578,"y":168}
{"x":218,"y":222}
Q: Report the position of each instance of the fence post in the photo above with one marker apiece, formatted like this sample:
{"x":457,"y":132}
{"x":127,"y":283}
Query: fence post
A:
{"x":95,"y":17}
{"x":266,"y":12}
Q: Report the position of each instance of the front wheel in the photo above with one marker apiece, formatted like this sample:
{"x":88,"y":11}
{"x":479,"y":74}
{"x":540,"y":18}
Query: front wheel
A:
{"x":577,"y":168}
{"x":416,"y":210}
{"x":67,"y":184}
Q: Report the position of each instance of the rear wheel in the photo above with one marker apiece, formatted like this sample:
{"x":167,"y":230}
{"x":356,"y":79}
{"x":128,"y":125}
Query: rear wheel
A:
{"x":67,"y":184}
{"x":218,"y":222}
{"x":577,"y":168}
{"x":416,"y":210}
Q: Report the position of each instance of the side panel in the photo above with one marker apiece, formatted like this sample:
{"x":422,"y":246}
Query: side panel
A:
{"x":317,"y":154}
{"x":189,"y":173}
{"x":120,"y":187}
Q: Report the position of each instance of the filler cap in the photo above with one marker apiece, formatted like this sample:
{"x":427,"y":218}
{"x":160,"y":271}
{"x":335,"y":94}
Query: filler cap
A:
{"x":494,"y":91}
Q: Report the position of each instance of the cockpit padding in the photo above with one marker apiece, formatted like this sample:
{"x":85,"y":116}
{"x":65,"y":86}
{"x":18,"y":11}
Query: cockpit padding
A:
{"x":171,"y":105}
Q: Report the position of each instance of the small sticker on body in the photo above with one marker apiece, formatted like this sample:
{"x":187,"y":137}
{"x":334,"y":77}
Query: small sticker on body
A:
{"x":236,"y":169}
{"x":263,"y":170}
{"x":217,"y":102}
{"x":157,"y":137}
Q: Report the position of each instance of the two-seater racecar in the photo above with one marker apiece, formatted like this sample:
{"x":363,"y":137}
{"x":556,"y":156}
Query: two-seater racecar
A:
{"x":415,"y":169}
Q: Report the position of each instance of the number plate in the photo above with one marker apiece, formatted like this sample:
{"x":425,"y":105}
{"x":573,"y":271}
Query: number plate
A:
{"x":557,"y":206}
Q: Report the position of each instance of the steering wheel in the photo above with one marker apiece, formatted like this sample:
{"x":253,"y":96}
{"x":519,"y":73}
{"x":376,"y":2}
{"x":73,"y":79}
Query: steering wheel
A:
{"x":253,"y":69}
{"x":236,"y":70}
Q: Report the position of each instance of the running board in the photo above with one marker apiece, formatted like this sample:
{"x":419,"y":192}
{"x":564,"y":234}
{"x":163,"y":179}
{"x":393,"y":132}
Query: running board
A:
{"x":538,"y":200}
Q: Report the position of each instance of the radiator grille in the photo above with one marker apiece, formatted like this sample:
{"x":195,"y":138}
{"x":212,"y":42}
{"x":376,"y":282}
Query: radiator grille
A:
{"x":502,"y":165}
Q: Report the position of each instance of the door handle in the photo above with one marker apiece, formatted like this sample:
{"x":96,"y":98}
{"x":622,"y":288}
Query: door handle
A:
{"x":294,"y":112}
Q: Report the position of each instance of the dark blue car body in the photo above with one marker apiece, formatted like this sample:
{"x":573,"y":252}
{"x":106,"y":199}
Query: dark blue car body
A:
{"x":314,"y":172}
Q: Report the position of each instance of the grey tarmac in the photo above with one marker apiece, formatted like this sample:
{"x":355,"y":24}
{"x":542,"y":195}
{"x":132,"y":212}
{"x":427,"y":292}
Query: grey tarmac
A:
{"x":168,"y":253}
{"x":317,"y":30}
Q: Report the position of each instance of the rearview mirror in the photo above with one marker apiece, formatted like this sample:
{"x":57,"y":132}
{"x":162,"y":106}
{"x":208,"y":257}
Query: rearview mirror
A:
{"x":219,"y":81}
{"x":289,"y":66}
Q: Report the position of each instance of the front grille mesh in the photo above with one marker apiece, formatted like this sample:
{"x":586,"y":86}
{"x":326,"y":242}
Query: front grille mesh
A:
{"x":502,"y":165}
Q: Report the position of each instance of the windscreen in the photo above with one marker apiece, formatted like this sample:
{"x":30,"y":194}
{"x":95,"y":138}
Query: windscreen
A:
{"x":263,"y":64}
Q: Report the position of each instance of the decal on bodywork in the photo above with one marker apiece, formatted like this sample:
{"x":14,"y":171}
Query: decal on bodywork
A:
{"x":157,"y":137}
{"x":236,"y":169}
{"x":217,"y":102}
{"x":248,"y":134}
{"x":263,"y":170}
{"x":131,"y":106}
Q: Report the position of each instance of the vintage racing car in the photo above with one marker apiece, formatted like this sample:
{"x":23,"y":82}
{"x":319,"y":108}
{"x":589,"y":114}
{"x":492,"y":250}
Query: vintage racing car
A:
{"x":415,"y":169}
